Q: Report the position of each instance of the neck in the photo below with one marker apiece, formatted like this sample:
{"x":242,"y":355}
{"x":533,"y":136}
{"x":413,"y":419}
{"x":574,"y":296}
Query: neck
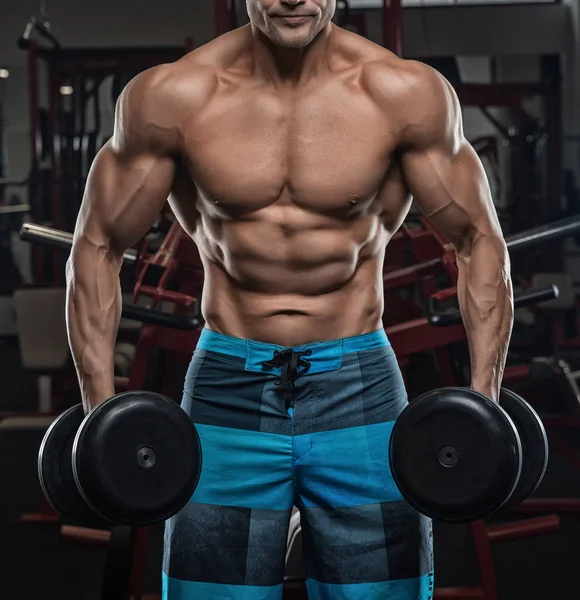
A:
{"x":290,"y":65}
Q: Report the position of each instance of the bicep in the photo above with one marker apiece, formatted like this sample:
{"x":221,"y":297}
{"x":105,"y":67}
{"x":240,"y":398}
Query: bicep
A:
{"x":124,"y":195}
{"x":132,"y":175}
{"x":443,"y":172}
{"x":450,"y":187}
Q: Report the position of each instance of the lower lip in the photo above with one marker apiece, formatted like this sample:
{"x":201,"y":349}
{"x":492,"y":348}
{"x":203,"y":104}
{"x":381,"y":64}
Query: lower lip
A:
{"x":294,"y":20}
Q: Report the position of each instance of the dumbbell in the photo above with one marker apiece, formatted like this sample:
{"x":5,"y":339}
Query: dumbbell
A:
{"x":133,"y":460}
{"x":458,"y":456}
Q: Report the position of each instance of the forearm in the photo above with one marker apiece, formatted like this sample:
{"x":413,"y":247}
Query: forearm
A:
{"x":93,"y":312}
{"x":486,"y":302}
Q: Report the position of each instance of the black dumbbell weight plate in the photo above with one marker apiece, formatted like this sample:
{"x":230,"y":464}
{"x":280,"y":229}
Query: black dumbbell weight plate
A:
{"x":455,"y":455}
{"x":137,"y":458}
{"x":534,"y":445}
{"x":55,"y":471}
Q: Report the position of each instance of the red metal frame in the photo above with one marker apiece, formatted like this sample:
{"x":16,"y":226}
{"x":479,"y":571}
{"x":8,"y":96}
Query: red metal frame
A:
{"x":484,"y":537}
{"x":412,"y":274}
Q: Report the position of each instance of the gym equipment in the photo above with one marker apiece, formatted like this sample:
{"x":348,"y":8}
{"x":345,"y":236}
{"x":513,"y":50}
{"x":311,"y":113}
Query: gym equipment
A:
{"x":155,"y":271}
{"x":434,"y":267}
{"x":443,"y":328}
{"x":55,"y":471}
{"x":135,"y":460}
{"x":66,"y":134}
{"x":453,"y":317}
{"x":41,"y":28}
{"x":176,"y":261}
{"x":457,"y":456}
{"x":12,"y":209}
{"x":55,"y":238}
{"x":525,"y":240}
{"x":544,"y":233}
{"x":419,"y":335}
{"x":124,"y":357}
{"x":535,"y":450}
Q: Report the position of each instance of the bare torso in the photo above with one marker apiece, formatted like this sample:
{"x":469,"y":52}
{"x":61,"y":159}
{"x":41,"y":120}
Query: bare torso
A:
{"x":298,"y":191}
{"x":291,"y":172}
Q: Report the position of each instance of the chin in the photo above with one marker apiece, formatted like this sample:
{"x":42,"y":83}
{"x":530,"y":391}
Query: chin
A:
{"x":292,"y":39}
{"x":294,"y":43}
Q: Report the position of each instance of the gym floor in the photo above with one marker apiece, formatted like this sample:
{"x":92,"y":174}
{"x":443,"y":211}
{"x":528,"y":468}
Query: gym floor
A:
{"x":35,"y":563}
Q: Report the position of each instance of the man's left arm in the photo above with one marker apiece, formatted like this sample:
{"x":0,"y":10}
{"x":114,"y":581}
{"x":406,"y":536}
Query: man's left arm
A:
{"x":450,"y":187}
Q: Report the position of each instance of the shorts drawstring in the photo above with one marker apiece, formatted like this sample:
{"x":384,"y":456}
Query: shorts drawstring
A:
{"x":293,"y":366}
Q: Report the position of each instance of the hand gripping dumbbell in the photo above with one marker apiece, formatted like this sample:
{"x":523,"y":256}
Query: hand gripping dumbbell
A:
{"x":133,"y":460}
{"x":458,"y":456}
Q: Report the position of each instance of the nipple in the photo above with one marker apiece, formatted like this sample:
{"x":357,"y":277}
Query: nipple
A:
{"x":353,"y":200}
{"x":217,"y":201}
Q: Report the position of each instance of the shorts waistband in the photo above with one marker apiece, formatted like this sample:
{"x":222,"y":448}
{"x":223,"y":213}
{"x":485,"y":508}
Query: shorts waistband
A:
{"x":323,"y":356}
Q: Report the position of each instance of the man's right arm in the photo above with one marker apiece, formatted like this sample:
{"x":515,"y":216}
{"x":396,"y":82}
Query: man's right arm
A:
{"x":128,"y":184}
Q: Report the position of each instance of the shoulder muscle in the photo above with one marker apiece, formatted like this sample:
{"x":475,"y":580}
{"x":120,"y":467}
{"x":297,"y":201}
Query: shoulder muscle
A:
{"x":421,"y":102}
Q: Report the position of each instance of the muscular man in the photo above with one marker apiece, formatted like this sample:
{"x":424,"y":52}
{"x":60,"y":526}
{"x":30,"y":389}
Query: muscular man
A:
{"x":306,"y":143}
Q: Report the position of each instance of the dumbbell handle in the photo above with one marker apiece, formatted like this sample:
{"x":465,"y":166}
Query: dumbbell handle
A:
{"x":445,"y":319}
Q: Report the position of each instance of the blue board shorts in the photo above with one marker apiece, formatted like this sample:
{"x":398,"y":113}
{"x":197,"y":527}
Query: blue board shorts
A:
{"x":308,"y":427}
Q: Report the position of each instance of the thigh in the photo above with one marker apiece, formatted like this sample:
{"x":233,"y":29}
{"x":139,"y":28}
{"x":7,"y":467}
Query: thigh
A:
{"x":224,"y":553}
{"x":229,"y":541}
{"x":380,"y":551}
{"x":361,"y":539}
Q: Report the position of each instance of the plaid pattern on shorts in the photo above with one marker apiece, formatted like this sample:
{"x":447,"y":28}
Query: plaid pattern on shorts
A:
{"x":314,"y":435}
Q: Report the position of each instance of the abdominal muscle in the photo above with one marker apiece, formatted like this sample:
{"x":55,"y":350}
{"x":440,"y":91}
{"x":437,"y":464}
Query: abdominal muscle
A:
{"x":294,"y":286}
